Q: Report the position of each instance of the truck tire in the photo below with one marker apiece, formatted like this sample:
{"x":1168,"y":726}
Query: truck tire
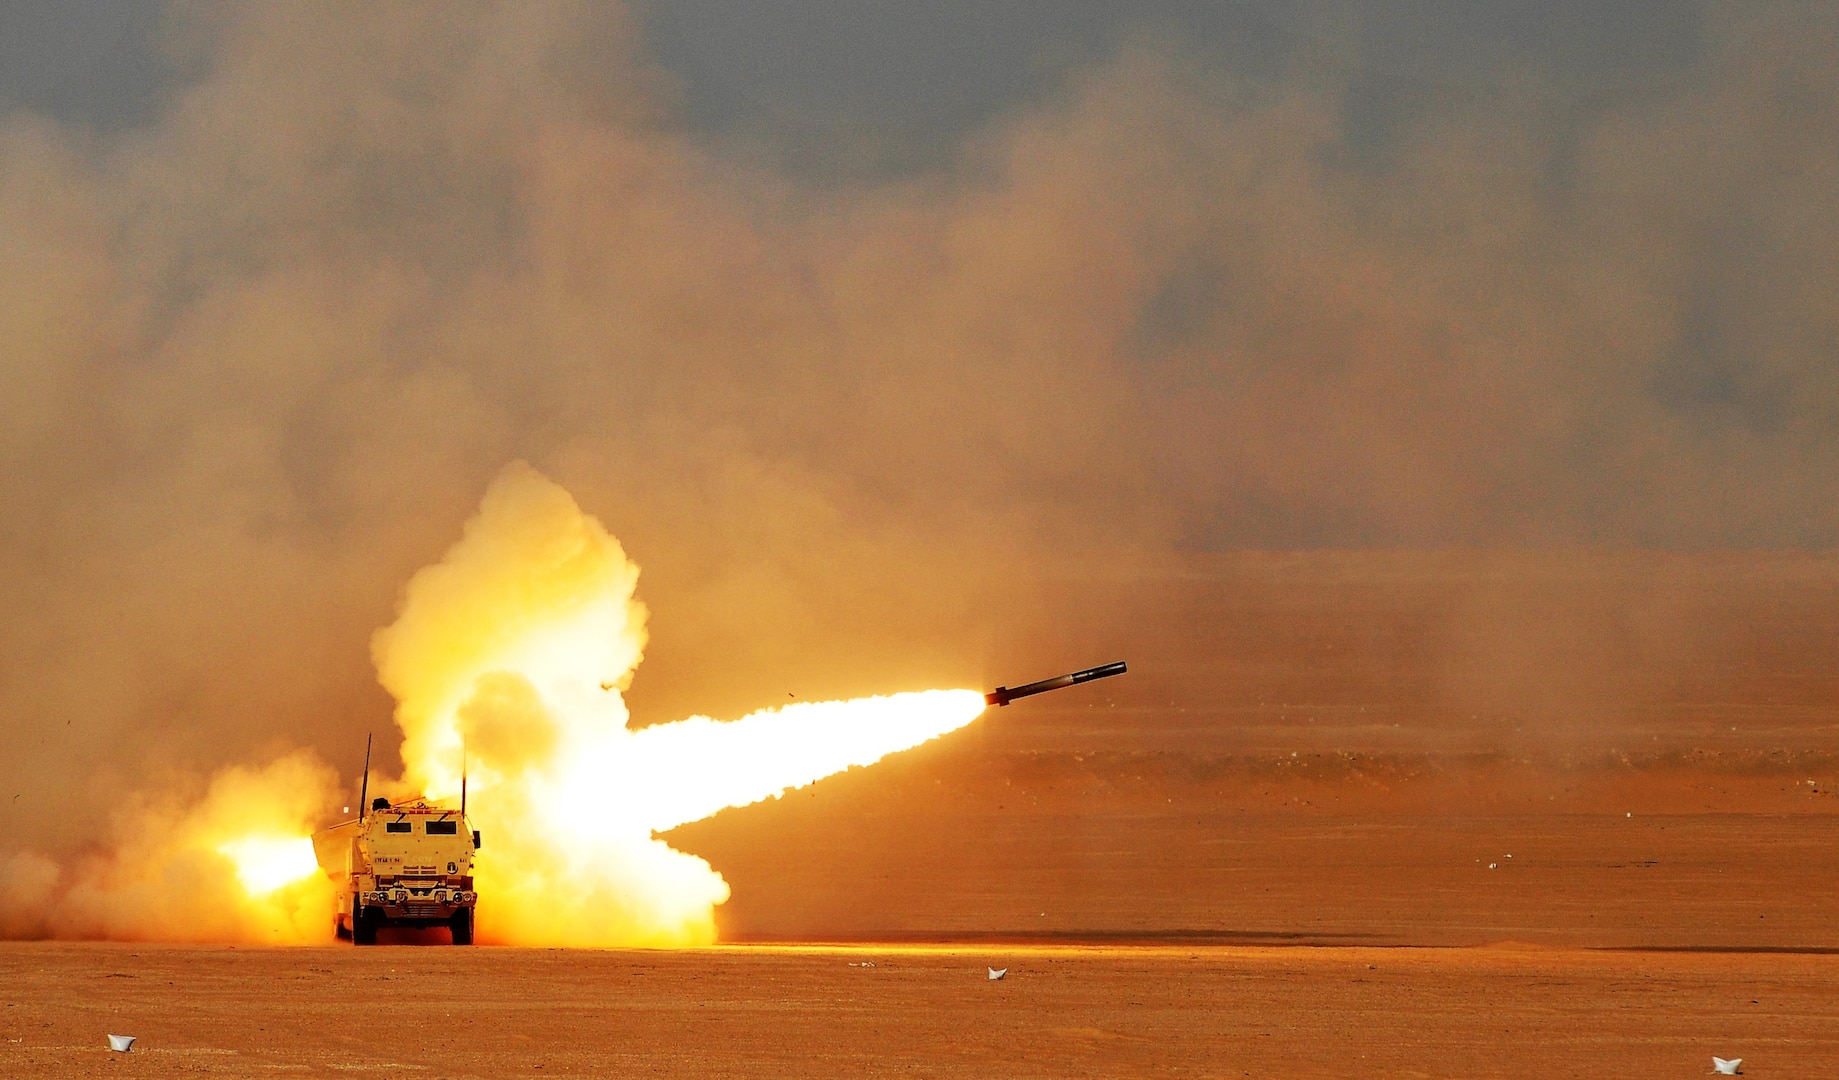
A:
{"x":363,"y":925}
{"x":462,"y":924}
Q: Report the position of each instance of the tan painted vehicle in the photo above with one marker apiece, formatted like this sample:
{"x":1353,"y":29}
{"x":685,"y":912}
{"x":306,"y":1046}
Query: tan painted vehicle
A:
{"x":403,"y":866}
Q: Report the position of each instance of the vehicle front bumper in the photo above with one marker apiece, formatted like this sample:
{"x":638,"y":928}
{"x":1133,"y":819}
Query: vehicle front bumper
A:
{"x":418,"y":904}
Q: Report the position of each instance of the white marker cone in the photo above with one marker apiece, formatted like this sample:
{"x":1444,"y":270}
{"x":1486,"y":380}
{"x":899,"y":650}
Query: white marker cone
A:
{"x":1726,"y":1068}
{"x":997,"y":973}
{"x":121,"y":1043}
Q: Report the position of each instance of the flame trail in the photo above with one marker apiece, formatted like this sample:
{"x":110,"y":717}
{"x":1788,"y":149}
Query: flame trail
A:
{"x":511,"y":650}
{"x":516,"y":646}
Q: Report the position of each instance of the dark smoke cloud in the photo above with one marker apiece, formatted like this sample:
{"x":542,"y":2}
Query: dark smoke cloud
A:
{"x":259,"y":356}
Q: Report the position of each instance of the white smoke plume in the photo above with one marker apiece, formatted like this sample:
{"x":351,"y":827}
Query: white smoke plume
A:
{"x":508,"y":660}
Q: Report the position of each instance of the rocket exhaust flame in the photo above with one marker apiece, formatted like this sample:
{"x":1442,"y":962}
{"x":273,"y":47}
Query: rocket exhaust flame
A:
{"x":507,"y":660}
{"x":233,"y":865}
{"x":264,"y":864}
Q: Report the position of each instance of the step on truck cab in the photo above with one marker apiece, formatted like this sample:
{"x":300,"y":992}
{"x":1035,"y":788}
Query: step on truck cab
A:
{"x":404,"y":866}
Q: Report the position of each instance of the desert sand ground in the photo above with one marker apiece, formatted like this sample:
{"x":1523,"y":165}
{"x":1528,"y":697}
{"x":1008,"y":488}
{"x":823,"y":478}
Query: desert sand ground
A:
{"x":1325,"y":915}
{"x":770,"y":1011}
{"x":1279,"y":943}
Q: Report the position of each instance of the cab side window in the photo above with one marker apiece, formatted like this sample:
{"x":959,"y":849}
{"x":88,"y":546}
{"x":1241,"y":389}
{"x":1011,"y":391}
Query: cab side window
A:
{"x":398,"y":826}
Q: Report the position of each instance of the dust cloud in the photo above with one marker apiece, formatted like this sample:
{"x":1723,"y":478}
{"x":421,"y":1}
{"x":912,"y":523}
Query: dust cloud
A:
{"x":260,"y":355}
{"x":224,"y":864}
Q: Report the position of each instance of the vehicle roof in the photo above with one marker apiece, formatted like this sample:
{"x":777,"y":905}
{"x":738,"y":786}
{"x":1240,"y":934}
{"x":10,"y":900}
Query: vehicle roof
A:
{"x":417,"y":807}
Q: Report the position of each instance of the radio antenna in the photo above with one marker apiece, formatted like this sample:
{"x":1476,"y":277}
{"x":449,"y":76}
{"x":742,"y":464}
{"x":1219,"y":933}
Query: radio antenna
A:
{"x":462,"y":777}
{"x":364,"y":788}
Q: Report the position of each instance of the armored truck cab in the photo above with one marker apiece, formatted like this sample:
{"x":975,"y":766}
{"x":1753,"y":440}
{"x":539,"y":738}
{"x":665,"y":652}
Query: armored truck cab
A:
{"x":408,"y":866}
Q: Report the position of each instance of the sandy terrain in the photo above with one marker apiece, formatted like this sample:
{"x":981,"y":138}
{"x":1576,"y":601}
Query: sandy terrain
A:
{"x":1267,"y":943}
{"x":1327,"y":848}
{"x":763,"y":1011}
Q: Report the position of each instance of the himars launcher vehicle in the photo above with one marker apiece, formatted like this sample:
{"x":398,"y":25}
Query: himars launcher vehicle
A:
{"x":405,"y":866}
{"x":412,"y":865}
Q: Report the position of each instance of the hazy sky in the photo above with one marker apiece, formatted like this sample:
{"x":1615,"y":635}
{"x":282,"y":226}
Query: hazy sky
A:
{"x":929,"y":72}
{"x":837,"y":314}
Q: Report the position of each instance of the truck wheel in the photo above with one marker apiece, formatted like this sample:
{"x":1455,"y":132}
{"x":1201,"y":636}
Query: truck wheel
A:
{"x":462,"y":924}
{"x":363,"y":925}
